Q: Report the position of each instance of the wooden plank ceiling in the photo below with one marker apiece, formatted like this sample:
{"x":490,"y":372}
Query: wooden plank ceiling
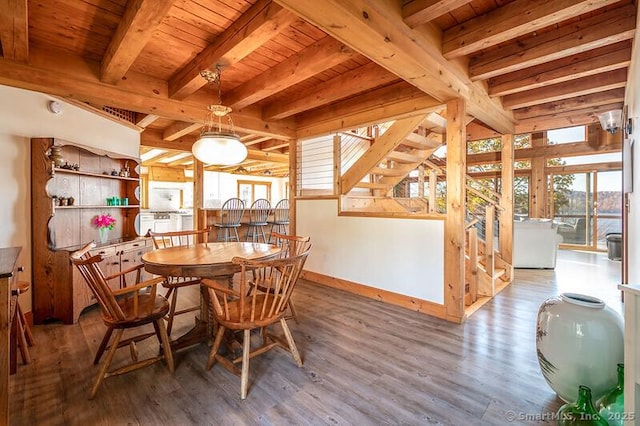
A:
{"x":299,"y":68}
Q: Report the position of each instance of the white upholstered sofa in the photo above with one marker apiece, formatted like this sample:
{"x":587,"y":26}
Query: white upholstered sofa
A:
{"x":535,"y":243}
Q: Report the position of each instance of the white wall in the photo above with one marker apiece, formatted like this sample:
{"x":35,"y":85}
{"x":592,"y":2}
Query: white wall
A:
{"x":404,"y":256}
{"x":23,"y":115}
{"x":632,"y":100}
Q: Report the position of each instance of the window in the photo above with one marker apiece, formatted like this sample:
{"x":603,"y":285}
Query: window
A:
{"x":251,"y":190}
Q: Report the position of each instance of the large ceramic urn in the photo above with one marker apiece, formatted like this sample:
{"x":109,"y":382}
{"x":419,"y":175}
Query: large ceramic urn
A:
{"x":579,"y":340}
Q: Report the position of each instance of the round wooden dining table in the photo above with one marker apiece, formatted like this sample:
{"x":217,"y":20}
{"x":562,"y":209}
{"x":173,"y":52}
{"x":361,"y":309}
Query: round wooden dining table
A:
{"x":204,"y":260}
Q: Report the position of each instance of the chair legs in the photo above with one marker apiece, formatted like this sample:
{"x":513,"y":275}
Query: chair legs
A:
{"x":105,"y":365}
{"x":215,"y":347}
{"x":103,"y":373}
{"x":280,"y":228}
{"x":292,"y":344}
{"x":173,"y":292}
{"x":103,"y":345}
{"x":163,"y":337}
{"x":254,"y":232}
{"x":288,"y":344}
{"x":294,"y":314}
{"x":224,"y":234}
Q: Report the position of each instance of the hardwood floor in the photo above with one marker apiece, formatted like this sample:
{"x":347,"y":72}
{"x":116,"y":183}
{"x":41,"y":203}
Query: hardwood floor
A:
{"x":364,"y":363}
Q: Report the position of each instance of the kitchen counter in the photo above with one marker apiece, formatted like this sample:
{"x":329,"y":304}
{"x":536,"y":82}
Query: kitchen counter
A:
{"x":211,"y":216}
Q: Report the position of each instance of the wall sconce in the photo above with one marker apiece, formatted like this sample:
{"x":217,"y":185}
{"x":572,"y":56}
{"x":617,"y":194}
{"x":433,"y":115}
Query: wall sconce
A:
{"x":611,"y":121}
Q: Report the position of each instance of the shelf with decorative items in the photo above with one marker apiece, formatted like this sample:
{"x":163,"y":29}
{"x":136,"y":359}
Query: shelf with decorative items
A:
{"x":72,"y":185}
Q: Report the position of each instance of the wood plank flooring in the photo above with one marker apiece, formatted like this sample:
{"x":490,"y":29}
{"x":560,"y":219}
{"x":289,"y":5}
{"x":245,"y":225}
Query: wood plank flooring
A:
{"x":365,"y":363}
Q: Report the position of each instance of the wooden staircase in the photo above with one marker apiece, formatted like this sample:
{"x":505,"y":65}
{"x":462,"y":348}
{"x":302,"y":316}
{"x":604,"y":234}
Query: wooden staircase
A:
{"x":486,"y":272}
{"x":400,"y":150}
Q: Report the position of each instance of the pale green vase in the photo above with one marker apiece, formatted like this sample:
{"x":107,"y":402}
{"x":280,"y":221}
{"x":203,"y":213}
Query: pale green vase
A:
{"x":104,"y":234}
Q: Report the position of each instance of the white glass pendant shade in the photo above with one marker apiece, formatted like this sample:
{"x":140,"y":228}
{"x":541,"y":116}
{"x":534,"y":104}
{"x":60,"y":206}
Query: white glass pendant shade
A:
{"x":611,"y":120}
{"x":219,"y":148}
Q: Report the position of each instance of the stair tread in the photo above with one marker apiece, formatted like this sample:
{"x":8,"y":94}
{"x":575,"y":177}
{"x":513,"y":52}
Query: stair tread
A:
{"x":404,"y":157}
{"x":389,"y":171}
{"x":371,"y":185}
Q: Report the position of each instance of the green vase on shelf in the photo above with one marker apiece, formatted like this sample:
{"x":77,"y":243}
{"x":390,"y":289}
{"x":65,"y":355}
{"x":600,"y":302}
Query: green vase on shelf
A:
{"x":581,"y":412}
{"x":104,"y":234}
{"x":611,"y":405}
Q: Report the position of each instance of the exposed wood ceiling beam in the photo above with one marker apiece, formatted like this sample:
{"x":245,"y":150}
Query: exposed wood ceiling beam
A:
{"x":86,"y":87}
{"x":158,"y":159}
{"x":146,"y":120}
{"x":14,"y":29}
{"x":509,"y":21}
{"x":320,"y":56}
{"x":566,"y":119}
{"x":576,"y":168}
{"x":376,"y":29}
{"x":255,"y":140}
{"x":140,"y":20}
{"x":153,"y":138}
{"x":571,"y":104}
{"x":583,"y":64}
{"x":179,"y":129}
{"x":583,"y":168}
{"x":398,"y":100}
{"x":418,"y":12}
{"x":574,"y":149}
{"x":358,"y":80}
{"x":597,"y":31}
{"x":581,"y":86}
{"x":273,"y":145}
{"x":185,"y":162}
{"x":260,"y":23}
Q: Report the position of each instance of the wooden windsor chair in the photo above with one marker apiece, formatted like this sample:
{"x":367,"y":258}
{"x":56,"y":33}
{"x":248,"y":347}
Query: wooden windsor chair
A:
{"x":280,"y":222}
{"x":173,"y":284}
{"x":292,"y":245}
{"x":258,"y":216}
{"x":238,"y":310}
{"x":230,"y":216}
{"x":124,"y":308}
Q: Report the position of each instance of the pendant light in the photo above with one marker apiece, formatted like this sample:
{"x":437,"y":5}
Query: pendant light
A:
{"x":215,"y":146}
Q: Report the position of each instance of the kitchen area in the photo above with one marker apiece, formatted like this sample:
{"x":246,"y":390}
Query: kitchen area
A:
{"x":167,"y":196}
{"x":168,"y":207}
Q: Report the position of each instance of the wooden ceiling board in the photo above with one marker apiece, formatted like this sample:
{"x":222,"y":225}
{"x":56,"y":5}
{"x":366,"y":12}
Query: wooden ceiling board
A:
{"x":230,"y":9}
{"x":270,"y":55}
{"x":116,"y":7}
{"x":200,"y":12}
{"x":293,"y":38}
{"x":81,"y":31}
{"x":309,"y":30}
{"x":163,"y":54}
{"x":181,"y":30}
{"x":195,"y":21}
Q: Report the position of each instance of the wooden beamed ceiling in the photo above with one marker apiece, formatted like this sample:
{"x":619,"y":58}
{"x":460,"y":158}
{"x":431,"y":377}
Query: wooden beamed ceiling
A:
{"x":301,"y":68}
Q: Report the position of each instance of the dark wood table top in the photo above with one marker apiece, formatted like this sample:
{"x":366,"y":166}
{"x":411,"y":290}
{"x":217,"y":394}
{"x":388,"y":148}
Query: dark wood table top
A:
{"x":205,"y":259}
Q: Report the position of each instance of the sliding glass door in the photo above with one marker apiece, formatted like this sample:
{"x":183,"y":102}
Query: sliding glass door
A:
{"x":587,"y":206}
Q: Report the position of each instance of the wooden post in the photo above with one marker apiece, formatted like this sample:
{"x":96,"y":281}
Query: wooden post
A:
{"x":421,"y":192}
{"x":433,"y":184}
{"x":454,"y":231}
{"x":337,"y":159}
{"x":538,"y":184}
{"x":473,"y":264}
{"x":506,"y":200}
{"x":199,"y":216}
{"x":293,"y":184}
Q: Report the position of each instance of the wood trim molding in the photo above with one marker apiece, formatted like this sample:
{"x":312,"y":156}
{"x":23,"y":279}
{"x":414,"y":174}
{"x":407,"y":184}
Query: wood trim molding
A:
{"x":407,"y":302}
